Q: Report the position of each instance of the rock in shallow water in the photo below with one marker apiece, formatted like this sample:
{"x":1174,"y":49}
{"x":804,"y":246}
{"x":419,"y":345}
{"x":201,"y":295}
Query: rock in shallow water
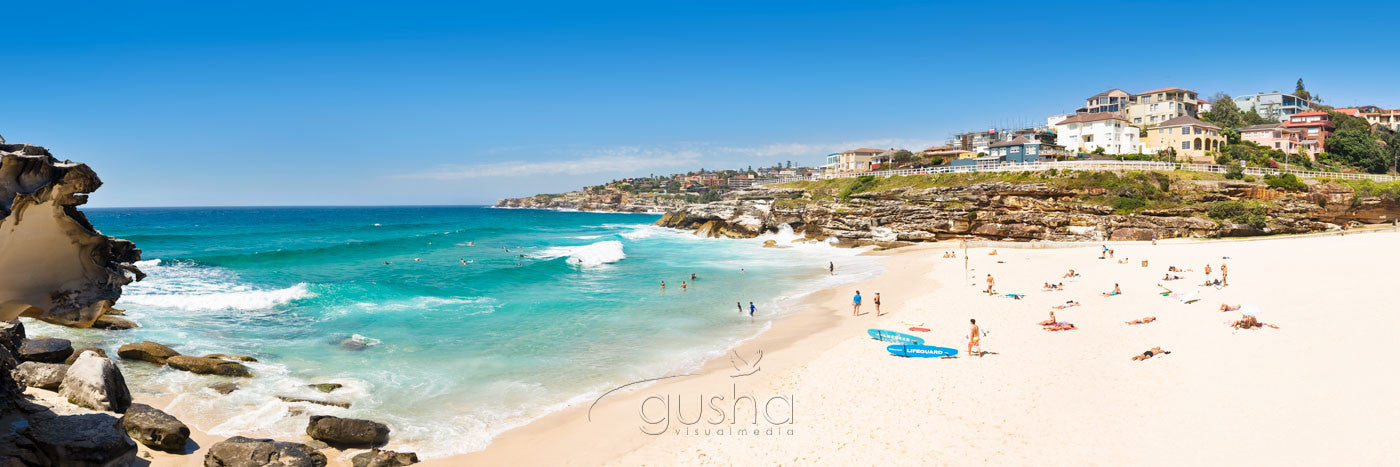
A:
{"x":347,"y":432}
{"x":95,"y":382}
{"x":146,"y":351}
{"x":155,"y":428}
{"x":41,"y":375}
{"x":79,"y":352}
{"x":208,"y":366}
{"x":247,"y":452}
{"x":224,"y":388}
{"x":325,"y":387}
{"x":343,"y":405}
{"x":231,"y":357}
{"x":45,"y":349}
{"x":114,"y":323}
{"x":379,"y":458}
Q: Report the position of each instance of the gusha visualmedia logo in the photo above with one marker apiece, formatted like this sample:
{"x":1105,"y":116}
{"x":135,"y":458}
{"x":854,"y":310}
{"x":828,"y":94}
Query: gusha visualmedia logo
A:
{"x":730,"y":411}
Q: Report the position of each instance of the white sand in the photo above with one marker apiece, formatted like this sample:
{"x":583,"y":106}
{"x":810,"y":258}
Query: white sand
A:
{"x":1319,"y":389}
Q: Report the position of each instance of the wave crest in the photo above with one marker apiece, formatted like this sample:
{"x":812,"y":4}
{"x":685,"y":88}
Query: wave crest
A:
{"x":595,"y":254}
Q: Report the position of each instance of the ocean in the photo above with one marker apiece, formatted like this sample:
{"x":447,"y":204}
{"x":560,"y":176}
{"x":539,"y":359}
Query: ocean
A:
{"x":449,"y":324}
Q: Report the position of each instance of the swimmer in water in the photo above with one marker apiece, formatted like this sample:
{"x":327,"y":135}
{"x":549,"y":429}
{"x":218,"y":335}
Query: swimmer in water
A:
{"x":471,"y":243}
{"x":692,"y":277}
{"x":682,"y":285}
{"x":417,"y":259}
{"x":463,"y":260}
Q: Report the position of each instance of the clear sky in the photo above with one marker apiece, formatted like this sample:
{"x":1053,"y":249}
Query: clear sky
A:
{"x":354,"y":103}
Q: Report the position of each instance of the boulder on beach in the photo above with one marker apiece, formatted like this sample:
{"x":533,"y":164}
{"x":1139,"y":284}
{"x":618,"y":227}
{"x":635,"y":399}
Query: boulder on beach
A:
{"x":154,"y":428}
{"x":347,"y":432}
{"x":248,"y":452}
{"x":231,"y":357}
{"x":325,"y":387}
{"x":41,"y":375}
{"x":114,"y":323}
{"x":75,"y":439}
{"x":45,"y":349}
{"x":146,"y":351}
{"x":381,"y":458}
{"x":75,"y":355}
{"x":94,"y":382}
{"x":11,"y":335}
{"x":208,"y":366}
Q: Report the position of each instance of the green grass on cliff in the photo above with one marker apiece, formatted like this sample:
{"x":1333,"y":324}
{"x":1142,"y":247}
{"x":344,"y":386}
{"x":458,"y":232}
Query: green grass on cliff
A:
{"x":1368,"y":188}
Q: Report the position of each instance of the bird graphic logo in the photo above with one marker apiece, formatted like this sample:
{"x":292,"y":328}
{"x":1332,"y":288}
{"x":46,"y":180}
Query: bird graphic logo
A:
{"x":744,"y":367}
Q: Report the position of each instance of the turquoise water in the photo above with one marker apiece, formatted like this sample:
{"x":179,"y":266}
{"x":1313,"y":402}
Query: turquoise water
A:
{"x":550,"y":308}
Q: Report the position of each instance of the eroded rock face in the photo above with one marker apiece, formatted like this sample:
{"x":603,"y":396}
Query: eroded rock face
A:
{"x":154,"y":428}
{"x":11,"y":335}
{"x":40,"y":225}
{"x":95,"y":382}
{"x":381,"y":458}
{"x":1019,"y":212}
{"x":208,"y":366}
{"x":347,"y":432}
{"x":247,"y":452}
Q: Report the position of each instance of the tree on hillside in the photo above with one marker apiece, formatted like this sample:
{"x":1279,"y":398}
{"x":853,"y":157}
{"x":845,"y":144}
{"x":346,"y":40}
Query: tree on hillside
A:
{"x":1302,"y":92}
{"x":1353,"y":143}
{"x":1225,"y":113}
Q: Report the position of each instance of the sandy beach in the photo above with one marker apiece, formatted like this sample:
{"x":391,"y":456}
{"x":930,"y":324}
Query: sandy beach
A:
{"x":1314,"y":390}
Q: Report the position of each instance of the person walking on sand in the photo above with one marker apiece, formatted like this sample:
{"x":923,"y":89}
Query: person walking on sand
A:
{"x":877,"y":304}
{"x":990,"y":284}
{"x":1224,"y":275}
{"x":975,"y":339}
{"x":855,"y":302}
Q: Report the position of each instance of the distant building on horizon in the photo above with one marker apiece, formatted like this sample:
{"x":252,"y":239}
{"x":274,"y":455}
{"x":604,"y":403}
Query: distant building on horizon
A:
{"x":853,"y":161}
{"x":1388,"y":118}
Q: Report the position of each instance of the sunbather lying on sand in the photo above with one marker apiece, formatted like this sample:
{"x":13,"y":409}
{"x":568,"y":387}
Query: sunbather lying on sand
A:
{"x":1225,"y":307}
{"x":1169,"y":277}
{"x":1050,"y":321}
{"x":1059,"y":327}
{"x":1146,"y":320}
{"x":1173,"y":269}
{"x":1066,"y":305}
{"x":1210,"y":283}
{"x":1116,"y":291}
{"x":1123,"y":261}
{"x":993,"y":253}
{"x":1048,"y":287}
{"x":1246,"y":322}
{"x":1155,"y":351}
{"x":1071,"y":273}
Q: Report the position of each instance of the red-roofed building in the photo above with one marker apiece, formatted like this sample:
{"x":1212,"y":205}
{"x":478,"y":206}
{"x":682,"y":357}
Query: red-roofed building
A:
{"x":1315,"y":126}
{"x":1389,"y":118}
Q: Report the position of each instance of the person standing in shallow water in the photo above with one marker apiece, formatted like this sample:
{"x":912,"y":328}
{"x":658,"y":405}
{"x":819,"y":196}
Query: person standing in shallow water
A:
{"x":855,"y":302}
{"x":831,"y":268}
{"x":741,"y":307}
{"x":751,"y":310}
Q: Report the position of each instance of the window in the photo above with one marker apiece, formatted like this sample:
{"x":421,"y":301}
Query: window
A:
{"x":1198,"y":130}
{"x":1185,"y":145}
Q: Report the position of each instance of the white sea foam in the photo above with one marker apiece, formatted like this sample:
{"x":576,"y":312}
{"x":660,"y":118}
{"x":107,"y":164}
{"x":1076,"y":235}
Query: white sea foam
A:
{"x":641,"y":232}
{"x":591,"y":255}
{"x":181,"y":286}
{"x":587,"y":237}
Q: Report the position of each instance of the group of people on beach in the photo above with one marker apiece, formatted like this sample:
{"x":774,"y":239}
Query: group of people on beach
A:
{"x":855,"y":304}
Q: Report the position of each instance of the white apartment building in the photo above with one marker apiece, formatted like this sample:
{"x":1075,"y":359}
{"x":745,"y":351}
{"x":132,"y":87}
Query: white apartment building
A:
{"x":1087,"y":132}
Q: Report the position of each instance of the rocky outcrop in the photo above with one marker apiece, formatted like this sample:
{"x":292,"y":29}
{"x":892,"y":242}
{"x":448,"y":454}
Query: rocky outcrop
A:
{"x":381,"y":458}
{"x":146,"y":351}
{"x":95,"y":382}
{"x":114,"y":323}
{"x":343,"y":405}
{"x":208,"y":366}
{"x":79,"y":352}
{"x":41,"y":375}
{"x":231,"y":357}
{"x":77,"y":439}
{"x":1021,"y":212}
{"x":154,"y":428}
{"x":596,"y":200}
{"x":347,"y":432}
{"x":248,"y":452}
{"x":45,"y":349}
{"x":325,"y":387}
{"x":11,"y":335}
{"x":82,"y":271}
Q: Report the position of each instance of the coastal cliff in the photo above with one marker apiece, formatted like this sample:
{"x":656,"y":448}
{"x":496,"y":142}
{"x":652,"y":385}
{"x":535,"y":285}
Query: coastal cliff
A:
{"x":596,"y":200}
{"x":57,"y":267}
{"x":1081,"y":206}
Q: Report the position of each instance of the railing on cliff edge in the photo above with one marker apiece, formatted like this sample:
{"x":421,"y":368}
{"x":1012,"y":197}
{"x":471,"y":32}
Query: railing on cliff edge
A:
{"x":1086,"y":165}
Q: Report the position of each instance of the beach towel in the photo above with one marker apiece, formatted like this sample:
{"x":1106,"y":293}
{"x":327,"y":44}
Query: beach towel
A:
{"x":1015,"y":296}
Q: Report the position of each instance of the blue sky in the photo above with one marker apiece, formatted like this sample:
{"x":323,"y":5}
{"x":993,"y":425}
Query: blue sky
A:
{"x":350,"y":103}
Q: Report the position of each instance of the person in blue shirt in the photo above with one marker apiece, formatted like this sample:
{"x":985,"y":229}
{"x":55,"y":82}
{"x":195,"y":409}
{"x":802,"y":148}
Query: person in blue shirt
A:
{"x":856,"y":302}
{"x":751,"y":310}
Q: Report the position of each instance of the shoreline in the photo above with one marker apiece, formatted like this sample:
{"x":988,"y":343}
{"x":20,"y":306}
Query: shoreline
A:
{"x":789,"y":343}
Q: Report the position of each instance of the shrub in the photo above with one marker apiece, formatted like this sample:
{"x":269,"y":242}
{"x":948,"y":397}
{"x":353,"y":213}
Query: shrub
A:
{"x":1285,"y":182}
{"x":860,"y":184}
{"x":1128,"y":204}
{"x":1226,"y":210}
{"x":1234,"y":172}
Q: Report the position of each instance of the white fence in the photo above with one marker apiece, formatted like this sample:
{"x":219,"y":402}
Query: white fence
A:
{"x":1087,"y":165}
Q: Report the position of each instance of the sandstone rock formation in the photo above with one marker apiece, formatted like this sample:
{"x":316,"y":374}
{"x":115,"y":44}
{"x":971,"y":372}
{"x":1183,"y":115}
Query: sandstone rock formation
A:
{"x":1001,"y":210}
{"x":76,"y":353}
{"x":208,"y":366}
{"x":146,"y":351}
{"x":154,"y":428}
{"x":347,"y":432}
{"x":95,"y":382}
{"x":247,"y":452}
{"x":71,"y":272}
{"x":601,"y":200}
